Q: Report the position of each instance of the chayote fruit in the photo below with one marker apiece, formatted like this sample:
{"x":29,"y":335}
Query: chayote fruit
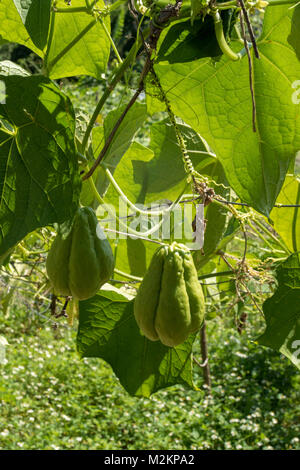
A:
{"x":169,"y":304}
{"x":80,"y":261}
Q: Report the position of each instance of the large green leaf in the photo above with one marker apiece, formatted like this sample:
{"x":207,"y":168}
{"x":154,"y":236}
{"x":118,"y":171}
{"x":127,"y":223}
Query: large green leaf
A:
{"x":145,"y":179}
{"x":79,"y":45}
{"x":12,"y":27}
{"x":35,"y":15}
{"x":131,"y":175}
{"x":214,"y":98}
{"x":287,"y":219}
{"x":282,"y":312}
{"x":108,"y":330}
{"x":39,"y":182}
{"x":132,"y":255}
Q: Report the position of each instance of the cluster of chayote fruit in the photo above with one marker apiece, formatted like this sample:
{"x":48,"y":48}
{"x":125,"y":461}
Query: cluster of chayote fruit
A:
{"x":169,"y":304}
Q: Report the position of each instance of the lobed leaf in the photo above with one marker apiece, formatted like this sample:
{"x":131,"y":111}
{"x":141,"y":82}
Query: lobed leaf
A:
{"x":38,"y":162}
{"x":214,"y":98}
{"x":108,"y":330}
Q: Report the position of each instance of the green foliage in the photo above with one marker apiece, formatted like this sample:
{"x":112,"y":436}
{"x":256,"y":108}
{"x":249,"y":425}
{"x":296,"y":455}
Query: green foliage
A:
{"x":212,"y":99}
{"x":35,"y":16}
{"x":51,"y":399}
{"x":282,"y":311}
{"x":12,"y":27}
{"x":38,"y":158}
{"x":169,"y":305}
{"x":79,"y":44}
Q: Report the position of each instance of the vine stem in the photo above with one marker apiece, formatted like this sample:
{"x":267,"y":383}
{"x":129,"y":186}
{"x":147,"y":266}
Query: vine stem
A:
{"x":282,"y":2}
{"x":223,"y":273}
{"x":204,"y":354}
{"x":127,"y":201}
{"x":111,"y":135}
{"x":70,"y":10}
{"x":128,"y":276}
{"x":260,"y":235}
{"x":128,"y":229}
{"x":218,"y":23}
{"x":49,"y":43}
{"x":189,"y":167}
{"x":110,"y":87}
{"x":250,"y":29}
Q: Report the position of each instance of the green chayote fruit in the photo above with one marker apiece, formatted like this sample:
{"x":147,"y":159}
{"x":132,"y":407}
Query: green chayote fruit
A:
{"x":170,"y":303}
{"x":81,"y":261}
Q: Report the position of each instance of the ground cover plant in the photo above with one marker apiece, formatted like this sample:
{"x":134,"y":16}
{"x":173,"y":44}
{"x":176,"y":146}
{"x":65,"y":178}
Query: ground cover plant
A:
{"x":50,"y":399}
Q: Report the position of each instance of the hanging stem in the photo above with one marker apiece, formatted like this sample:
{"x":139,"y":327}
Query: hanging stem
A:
{"x":221,"y":38}
{"x":250,"y":29}
{"x":110,"y":87}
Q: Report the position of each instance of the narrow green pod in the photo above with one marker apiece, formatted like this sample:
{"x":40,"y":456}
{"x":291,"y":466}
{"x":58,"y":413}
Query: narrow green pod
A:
{"x":147,"y":298}
{"x":222,"y":40}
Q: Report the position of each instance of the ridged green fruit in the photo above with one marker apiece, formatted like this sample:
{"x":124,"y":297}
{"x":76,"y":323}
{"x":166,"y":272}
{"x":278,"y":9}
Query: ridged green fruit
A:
{"x":169,"y":304}
{"x":81,"y":261}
